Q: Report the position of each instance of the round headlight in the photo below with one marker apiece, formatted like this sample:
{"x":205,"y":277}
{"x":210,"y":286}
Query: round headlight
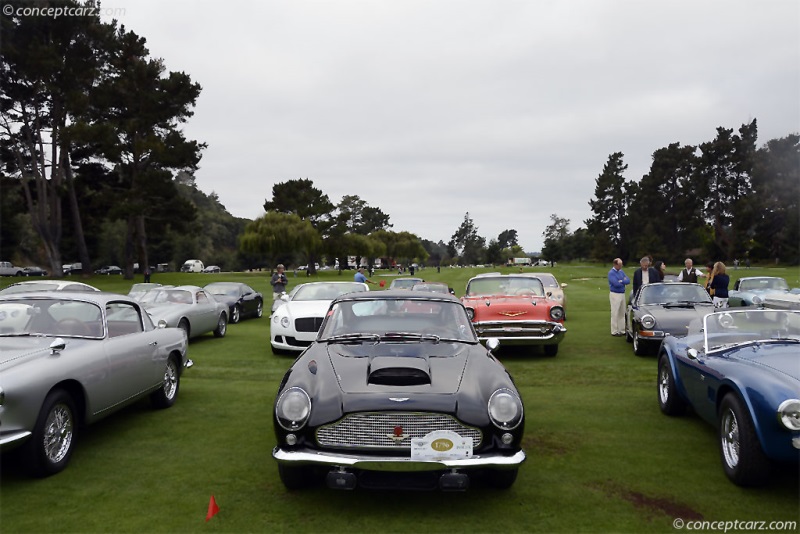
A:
{"x":285,"y":322}
{"x":471,"y":314}
{"x":556,"y":313}
{"x":789,"y":414}
{"x":756,"y":299}
{"x":293,"y":408}
{"x":648,"y":321}
{"x":505,"y":409}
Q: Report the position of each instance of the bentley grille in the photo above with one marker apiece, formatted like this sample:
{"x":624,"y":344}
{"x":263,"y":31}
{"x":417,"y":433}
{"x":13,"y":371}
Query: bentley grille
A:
{"x":390,"y":430}
{"x":308,"y":324}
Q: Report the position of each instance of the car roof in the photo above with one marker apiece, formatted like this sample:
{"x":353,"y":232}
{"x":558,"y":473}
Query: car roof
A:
{"x":96,"y":297}
{"x":403,"y":294}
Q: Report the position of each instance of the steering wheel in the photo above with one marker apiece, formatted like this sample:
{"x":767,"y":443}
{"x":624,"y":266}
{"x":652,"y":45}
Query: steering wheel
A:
{"x":72,"y":327}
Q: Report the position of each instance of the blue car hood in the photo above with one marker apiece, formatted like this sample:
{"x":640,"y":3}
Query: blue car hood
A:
{"x":781,"y":358}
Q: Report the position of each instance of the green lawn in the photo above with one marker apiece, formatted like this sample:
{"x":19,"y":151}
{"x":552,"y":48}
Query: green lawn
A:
{"x":601,"y":456}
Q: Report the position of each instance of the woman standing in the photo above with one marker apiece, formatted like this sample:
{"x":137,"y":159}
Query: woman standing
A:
{"x":661,"y":269}
{"x":718,"y":286}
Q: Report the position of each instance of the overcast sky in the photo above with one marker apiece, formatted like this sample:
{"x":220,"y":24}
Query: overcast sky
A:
{"x":430,"y":109}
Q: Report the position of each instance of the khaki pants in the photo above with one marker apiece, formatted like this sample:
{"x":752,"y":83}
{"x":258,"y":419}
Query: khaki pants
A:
{"x":617,"y":301}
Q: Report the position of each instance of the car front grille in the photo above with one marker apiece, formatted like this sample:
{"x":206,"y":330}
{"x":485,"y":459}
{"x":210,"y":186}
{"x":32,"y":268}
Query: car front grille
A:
{"x":390,"y":430}
{"x":308,"y":324}
{"x":516,"y":328}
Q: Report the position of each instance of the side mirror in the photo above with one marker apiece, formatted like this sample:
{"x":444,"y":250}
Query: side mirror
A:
{"x":563,"y":285}
{"x":692,"y":354}
{"x":57,"y":345}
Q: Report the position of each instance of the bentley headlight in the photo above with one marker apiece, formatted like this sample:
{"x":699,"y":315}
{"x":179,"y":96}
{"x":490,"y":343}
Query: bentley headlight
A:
{"x":648,"y":321}
{"x":505,"y":409}
{"x":293,"y":408}
{"x":789,"y":414}
{"x":556,"y":313}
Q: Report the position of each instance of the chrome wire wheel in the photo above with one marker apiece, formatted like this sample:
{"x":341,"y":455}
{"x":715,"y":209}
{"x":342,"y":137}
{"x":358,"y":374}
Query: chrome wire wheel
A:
{"x":170,"y":380}
{"x":729,"y":437}
{"x":664,"y":384}
{"x":58,"y":433}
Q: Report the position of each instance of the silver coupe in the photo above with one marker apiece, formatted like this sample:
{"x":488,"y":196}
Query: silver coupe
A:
{"x":70,"y":359}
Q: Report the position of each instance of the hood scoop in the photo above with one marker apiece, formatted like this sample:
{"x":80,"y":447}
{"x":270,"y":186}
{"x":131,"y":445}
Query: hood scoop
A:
{"x":399,"y":371}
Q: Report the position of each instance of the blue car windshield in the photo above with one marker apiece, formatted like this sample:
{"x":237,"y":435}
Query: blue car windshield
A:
{"x":727,"y":329}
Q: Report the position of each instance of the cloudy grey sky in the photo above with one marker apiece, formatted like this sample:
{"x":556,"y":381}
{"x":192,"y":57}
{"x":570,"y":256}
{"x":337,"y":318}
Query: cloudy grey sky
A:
{"x":505,"y":109}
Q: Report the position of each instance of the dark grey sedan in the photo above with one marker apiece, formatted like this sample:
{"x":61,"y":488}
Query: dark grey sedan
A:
{"x":664,"y":309}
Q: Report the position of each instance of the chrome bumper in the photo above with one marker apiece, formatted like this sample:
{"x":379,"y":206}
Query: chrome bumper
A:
{"x":522,"y":333}
{"x":393,"y":463}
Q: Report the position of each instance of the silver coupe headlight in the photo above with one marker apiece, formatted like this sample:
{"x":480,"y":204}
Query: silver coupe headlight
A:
{"x":505,"y":409}
{"x":756,"y":299}
{"x":789,"y":414}
{"x":648,"y":321}
{"x":293,"y":408}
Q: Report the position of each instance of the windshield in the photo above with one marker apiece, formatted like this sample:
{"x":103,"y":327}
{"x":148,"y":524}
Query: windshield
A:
{"x":671,"y":293}
{"x":230,"y":290}
{"x":167,"y":296}
{"x":723,"y":330}
{"x":397,"y":319}
{"x":326,"y":291}
{"x":548,"y":280}
{"x":50,"y":317}
{"x":762,"y":284}
{"x":505,"y":286}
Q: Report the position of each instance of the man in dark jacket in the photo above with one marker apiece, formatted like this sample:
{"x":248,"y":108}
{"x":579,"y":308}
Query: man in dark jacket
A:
{"x":644,"y":275}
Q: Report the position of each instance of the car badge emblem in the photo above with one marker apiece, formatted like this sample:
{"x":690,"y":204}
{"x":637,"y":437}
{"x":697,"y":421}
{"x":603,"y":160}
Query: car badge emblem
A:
{"x":397,"y":435}
{"x":512,"y":313}
{"x":398,"y":399}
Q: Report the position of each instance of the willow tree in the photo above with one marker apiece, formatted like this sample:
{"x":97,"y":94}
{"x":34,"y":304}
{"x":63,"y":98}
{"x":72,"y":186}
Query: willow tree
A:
{"x":275,"y":234}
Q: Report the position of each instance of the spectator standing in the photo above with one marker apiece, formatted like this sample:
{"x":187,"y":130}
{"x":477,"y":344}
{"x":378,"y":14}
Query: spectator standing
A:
{"x":718,"y":285}
{"x":644,"y":275}
{"x":617,"y":280}
{"x":278,"y":282}
{"x":361,"y":277}
{"x":147,"y":275}
{"x":661,"y":269}
{"x":690,"y":273}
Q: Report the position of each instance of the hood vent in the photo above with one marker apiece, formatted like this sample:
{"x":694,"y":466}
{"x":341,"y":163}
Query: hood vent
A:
{"x":399,"y":371}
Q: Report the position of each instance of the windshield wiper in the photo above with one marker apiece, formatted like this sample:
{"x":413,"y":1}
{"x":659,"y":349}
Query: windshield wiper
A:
{"x":683,"y":303}
{"x":392,"y":336}
{"x":355,"y":337}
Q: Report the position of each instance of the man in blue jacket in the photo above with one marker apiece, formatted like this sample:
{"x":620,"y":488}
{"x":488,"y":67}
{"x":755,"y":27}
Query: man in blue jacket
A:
{"x":617,"y":280}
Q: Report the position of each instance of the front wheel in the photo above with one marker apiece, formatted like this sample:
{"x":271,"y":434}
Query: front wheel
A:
{"x":50,"y":446}
{"x":502,"y":478}
{"x":236,"y":314}
{"x":222,"y":326}
{"x":293,"y":477}
{"x":743,"y":459}
{"x":668,"y":399}
{"x":639,"y":347}
{"x":260,"y":309}
{"x":167,"y":394}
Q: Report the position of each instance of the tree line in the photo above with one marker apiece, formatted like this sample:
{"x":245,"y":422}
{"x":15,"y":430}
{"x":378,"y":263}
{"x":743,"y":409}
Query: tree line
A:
{"x":96,"y":169}
{"x":721,"y":200}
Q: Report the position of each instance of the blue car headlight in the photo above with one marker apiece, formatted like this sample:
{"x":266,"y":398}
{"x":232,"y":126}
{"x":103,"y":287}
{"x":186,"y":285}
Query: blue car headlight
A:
{"x":293,"y":408}
{"x":505,"y":409}
{"x":789,"y":414}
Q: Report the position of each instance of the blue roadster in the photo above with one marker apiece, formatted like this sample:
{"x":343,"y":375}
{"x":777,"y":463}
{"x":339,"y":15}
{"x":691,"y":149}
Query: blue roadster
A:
{"x":740,"y":371}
